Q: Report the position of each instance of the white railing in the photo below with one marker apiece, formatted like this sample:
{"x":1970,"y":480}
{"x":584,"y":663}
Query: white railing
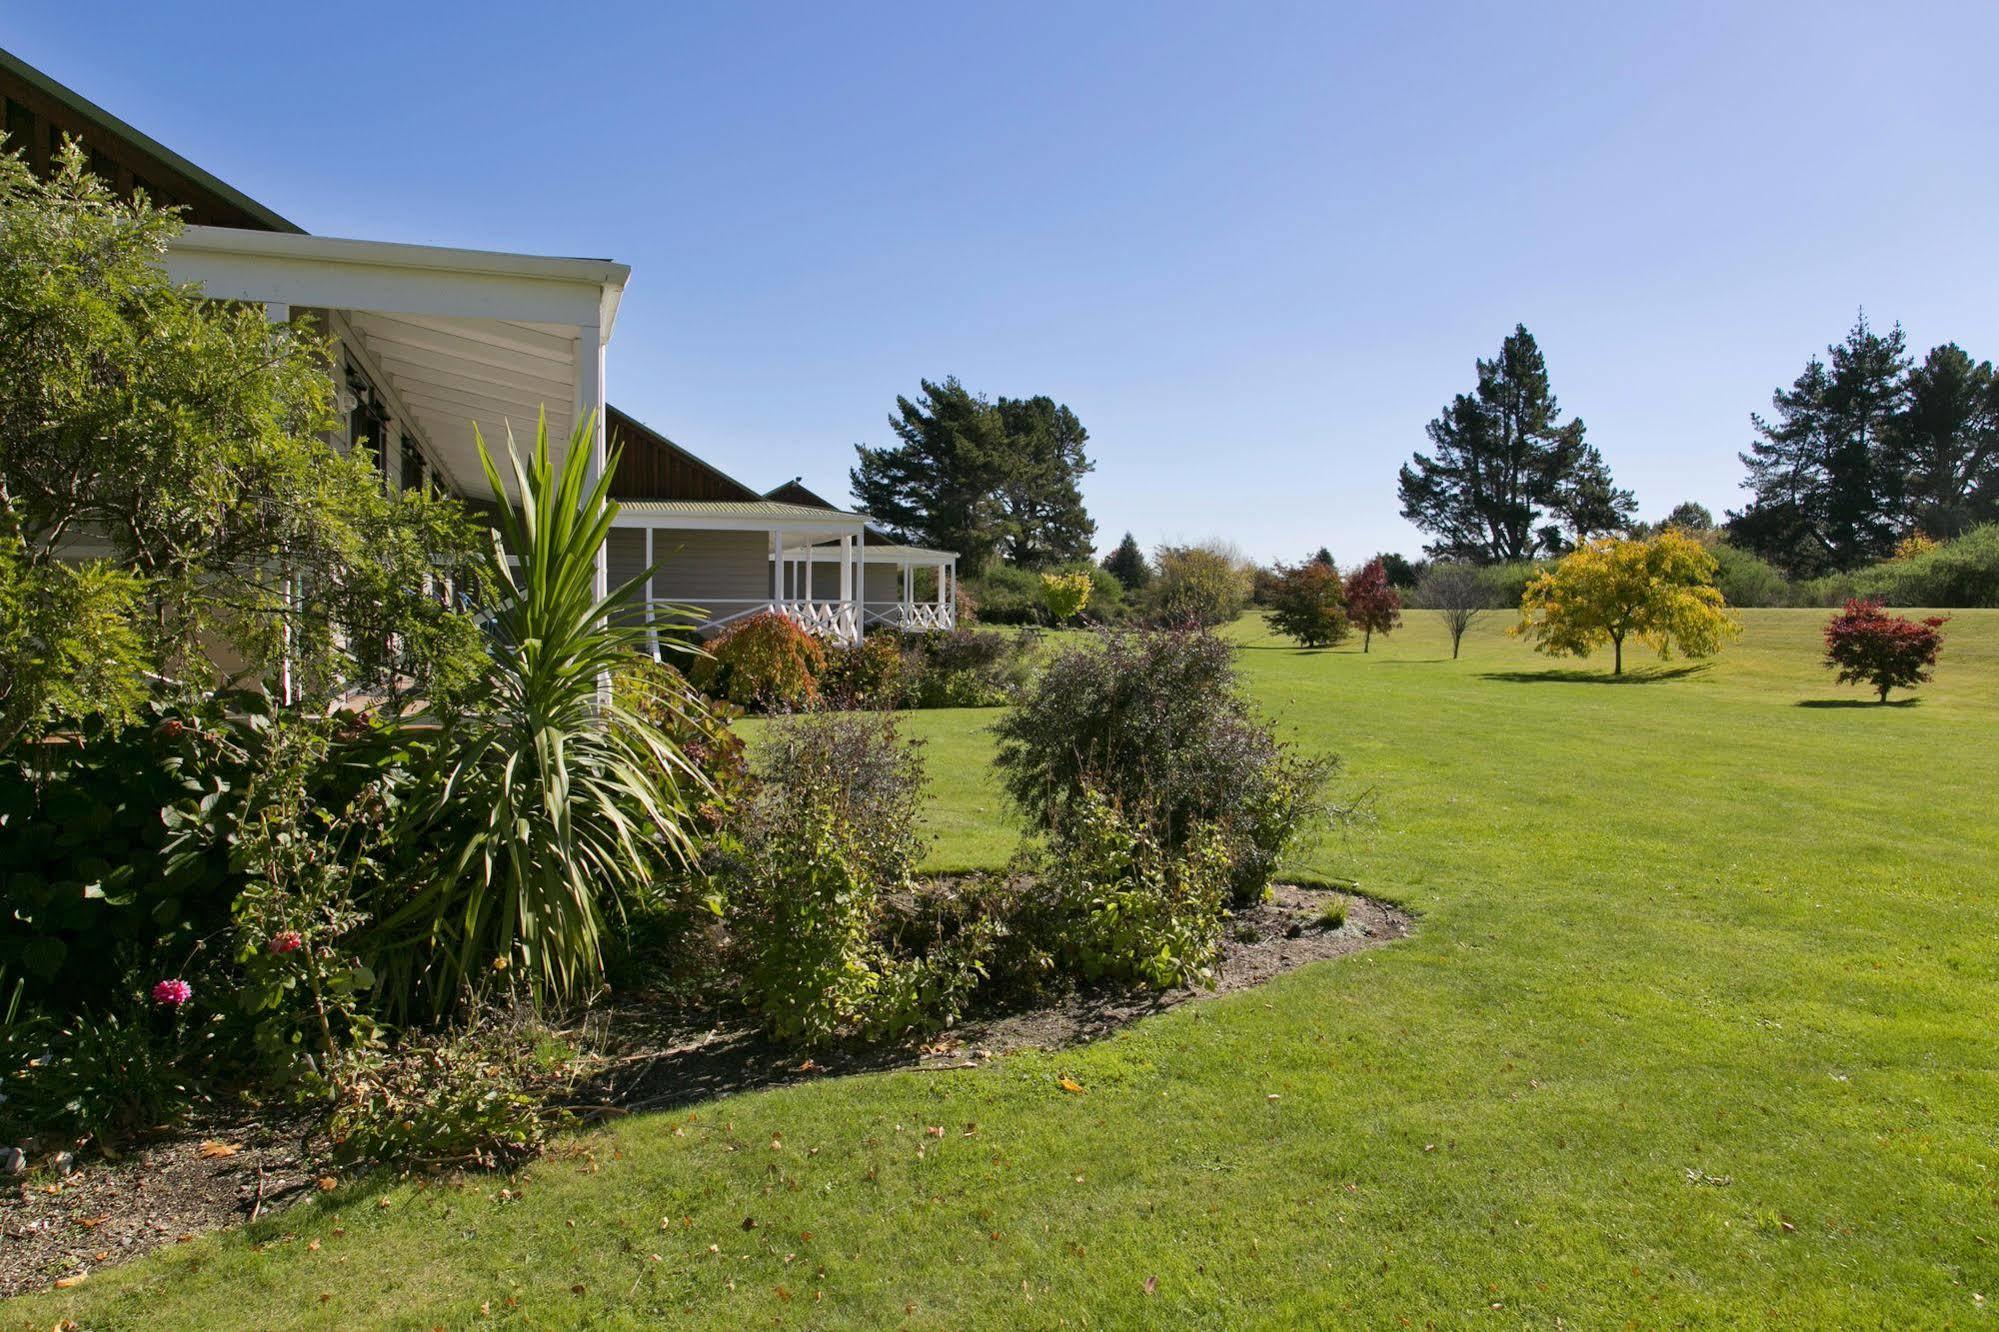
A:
{"x":916,"y":616}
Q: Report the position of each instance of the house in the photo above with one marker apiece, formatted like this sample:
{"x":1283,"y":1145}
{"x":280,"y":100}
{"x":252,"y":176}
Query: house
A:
{"x":431,"y":341}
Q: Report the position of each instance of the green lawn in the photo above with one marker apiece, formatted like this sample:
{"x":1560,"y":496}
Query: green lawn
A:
{"x":1698,"y":1027}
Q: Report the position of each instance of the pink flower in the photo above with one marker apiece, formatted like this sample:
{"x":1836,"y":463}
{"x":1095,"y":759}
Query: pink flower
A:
{"x":288,"y":942}
{"x":172,"y":993}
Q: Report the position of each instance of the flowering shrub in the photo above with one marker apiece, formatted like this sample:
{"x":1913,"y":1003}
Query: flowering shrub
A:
{"x":765,"y":661}
{"x":1866,"y":645}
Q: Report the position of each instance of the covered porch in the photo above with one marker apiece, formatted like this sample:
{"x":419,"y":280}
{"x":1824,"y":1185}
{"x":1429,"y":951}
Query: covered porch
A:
{"x":731,"y":559}
{"x":431,"y":342}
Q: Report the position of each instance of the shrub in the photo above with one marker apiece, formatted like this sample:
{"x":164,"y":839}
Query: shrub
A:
{"x":118,"y":840}
{"x":1960,"y":573}
{"x":1004,"y":594}
{"x":659,"y":695}
{"x":966,"y":668}
{"x":485,"y":1094}
{"x":1308,"y":604}
{"x":1132,"y":908}
{"x":1199,"y":586}
{"x":1065,"y":595}
{"x":1746,"y":579}
{"x":866,"y":675}
{"x":764,"y":661}
{"x":1866,"y":645}
{"x":104,"y":1074}
{"x":1158,"y":720}
{"x":827,"y":840}
{"x":68,"y":648}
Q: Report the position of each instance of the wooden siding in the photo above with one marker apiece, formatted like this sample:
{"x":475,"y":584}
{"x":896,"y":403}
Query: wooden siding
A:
{"x":702,"y":567}
{"x":36,"y":123}
{"x":653,"y":467}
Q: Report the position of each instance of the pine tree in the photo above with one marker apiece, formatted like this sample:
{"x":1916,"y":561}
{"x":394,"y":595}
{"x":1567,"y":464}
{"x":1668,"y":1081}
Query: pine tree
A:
{"x":1823,"y":472}
{"x":940,"y":486}
{"x":1947,"y":444}
{"x":1045,"y":521}
{"x":984,"y":479}
{"x":1504,"y":462}
{"x":1127,"y":565}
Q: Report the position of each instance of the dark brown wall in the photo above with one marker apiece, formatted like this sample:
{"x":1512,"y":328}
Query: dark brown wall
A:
{"x":36,"y":123}
{"x":651,"y":466}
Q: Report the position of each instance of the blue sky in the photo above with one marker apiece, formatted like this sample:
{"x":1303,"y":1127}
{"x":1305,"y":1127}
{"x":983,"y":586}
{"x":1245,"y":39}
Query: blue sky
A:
{"x":1256,"y":247}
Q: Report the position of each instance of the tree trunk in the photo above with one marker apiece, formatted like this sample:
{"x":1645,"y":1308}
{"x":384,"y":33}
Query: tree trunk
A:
{"x":1617,"y":655}
{"x":1366,"y":637}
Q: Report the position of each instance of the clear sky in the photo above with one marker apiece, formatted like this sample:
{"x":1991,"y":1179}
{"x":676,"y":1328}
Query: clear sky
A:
{"x":1256,"y":247}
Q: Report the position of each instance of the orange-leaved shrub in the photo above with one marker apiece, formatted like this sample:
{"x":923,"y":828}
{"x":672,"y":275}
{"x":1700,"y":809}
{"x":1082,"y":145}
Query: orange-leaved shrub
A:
{"x":766,"y":661}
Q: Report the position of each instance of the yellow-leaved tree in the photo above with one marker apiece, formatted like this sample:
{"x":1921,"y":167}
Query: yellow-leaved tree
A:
{"x":1660,"y":592}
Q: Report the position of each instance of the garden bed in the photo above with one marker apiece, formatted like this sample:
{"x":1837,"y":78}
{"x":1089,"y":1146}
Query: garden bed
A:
{"x":219,"y":1174}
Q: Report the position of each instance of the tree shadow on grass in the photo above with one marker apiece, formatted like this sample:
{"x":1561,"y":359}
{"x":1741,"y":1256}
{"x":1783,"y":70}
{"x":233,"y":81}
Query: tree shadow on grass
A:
{"x":1572,"y":675}
{"x":1857,"y":703}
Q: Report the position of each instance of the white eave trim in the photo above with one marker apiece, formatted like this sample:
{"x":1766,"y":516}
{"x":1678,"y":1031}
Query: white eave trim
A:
{"x":232,"y":263}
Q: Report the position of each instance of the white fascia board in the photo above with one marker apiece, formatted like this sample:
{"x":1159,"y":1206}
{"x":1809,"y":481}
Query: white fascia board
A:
{"x":388,"y":278}
{"x":685,"y":523}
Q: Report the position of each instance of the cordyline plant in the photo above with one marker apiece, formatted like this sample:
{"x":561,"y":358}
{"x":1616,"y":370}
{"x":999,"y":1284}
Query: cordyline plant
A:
{"x":557,"y":801}
{"x":1867,"y":645}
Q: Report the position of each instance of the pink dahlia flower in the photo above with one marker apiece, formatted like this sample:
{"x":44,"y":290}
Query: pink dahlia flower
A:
{"x":172,"y":993}
{"x":288,"y":942}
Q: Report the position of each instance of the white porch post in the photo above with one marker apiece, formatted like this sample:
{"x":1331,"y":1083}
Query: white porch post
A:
{"x":860,"y":585}
{"x":777,"y":568}
{"x":652,"y":629}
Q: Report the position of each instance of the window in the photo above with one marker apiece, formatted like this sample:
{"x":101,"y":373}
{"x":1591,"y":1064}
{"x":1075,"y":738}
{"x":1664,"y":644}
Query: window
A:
{"x":20,"y":126}
{"x":368,"y":423}
{"x":412,"y":464}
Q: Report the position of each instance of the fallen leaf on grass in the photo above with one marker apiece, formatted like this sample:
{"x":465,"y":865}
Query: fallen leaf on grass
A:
{"x":328,"y":1183}
{"x":93,"y":1222}
{"x":1070,"y":1085}
{"x":215,"y":1151}
{"x":65,"y":1283}
{"x":1152,"y":1285}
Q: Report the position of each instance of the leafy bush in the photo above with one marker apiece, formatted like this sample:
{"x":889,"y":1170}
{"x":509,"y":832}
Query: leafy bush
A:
{"x":965,"y":668}
{"x":1199,"y":586}
{"x":1004,"y":594}
{"x":764,"y":661}
{"x":486,"y":1094}
{"x":68,"y":648}
{"x":701,"y":727}
{"x":100,"y":1074}
{"x":829,"y":838}
{"x":1746,"y":579}
{"x":1064,"y":595}
{"x":1866,"y":645}
{"x":1132,"y":908}
{"x":1960,"y":573}
{"x":867,"y":675}
{"x":1308,"y":604}
{"x":118,"y":842}
{"x":1158,"y":720}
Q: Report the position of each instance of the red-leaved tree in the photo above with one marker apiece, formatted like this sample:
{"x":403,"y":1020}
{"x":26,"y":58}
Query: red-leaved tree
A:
{"x":1373,"y":604}
{"x":1867,"y":645}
